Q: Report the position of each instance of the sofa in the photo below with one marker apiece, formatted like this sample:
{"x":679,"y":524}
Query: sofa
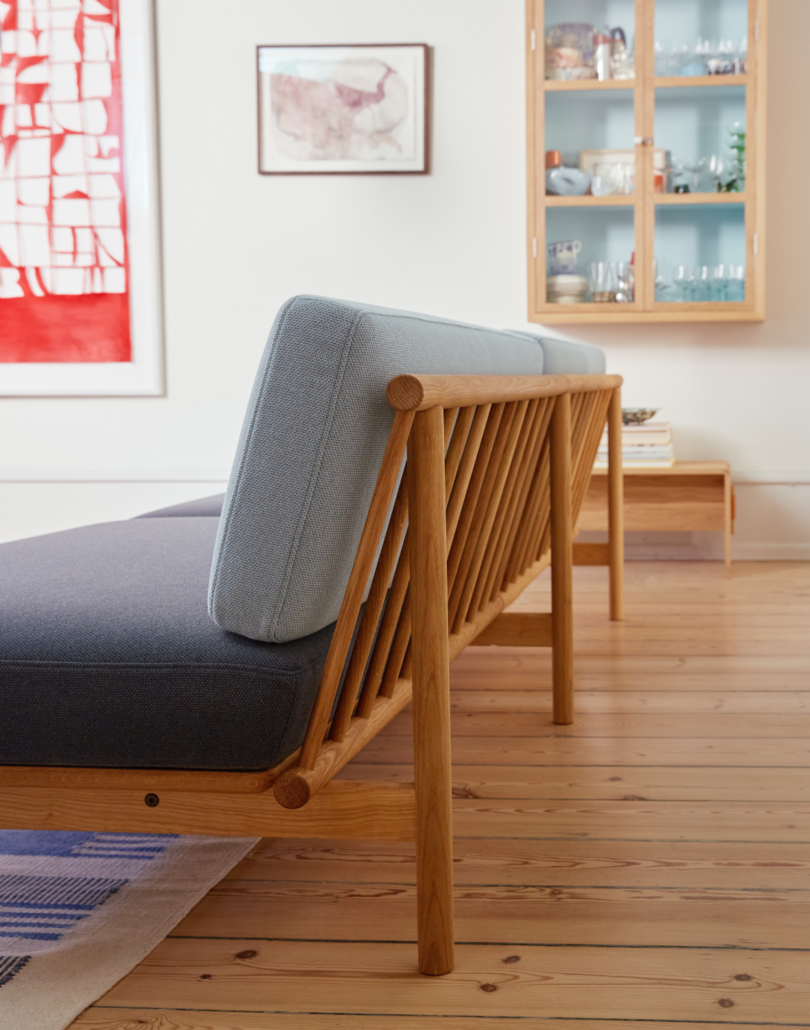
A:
{"x":210,"y":666}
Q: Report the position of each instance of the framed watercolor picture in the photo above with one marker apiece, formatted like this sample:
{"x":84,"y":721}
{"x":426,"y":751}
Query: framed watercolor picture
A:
{"x":350,"y":109}
{"x":80,"y":282}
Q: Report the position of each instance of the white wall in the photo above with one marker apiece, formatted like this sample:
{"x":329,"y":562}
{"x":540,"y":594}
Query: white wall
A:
{"x":237,"y":244}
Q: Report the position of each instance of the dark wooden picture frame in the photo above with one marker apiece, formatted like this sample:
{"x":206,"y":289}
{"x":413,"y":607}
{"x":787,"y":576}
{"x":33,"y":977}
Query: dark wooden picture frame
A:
{"x":331,"y":121}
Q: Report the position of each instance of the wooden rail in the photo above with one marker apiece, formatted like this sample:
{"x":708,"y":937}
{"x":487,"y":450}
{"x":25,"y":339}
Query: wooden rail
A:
{"x":418,"y":393}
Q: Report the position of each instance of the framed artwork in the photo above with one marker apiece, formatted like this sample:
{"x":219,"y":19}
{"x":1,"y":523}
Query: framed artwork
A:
{"x":80,"y":277}
{"x":349,"y":109}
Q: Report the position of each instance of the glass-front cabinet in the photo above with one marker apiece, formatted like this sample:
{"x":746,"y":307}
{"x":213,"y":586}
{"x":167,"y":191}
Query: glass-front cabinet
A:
{"x":646,"y":160}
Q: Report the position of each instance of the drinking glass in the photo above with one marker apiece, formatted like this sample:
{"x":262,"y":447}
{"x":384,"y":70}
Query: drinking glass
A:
{"x":710,"y":175}
{"x":666,"y":291}
{"x":612,"y":177}
{"x":735,"y":284}
{"x":719,"y":290}
{"x":684,"y":281}
{"x":660,"y":279}
{"x":625,"y":282}
{"x":603,"y":183}
{"x":701,"y":288}
{"x":602,"y":281}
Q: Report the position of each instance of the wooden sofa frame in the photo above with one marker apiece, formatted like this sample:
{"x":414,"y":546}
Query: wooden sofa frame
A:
{"x":497,"y":469}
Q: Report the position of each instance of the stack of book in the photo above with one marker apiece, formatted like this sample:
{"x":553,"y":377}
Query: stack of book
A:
{"x":645,"y":446}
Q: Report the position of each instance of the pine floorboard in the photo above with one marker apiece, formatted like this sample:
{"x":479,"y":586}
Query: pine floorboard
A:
{"x":644,"y":869}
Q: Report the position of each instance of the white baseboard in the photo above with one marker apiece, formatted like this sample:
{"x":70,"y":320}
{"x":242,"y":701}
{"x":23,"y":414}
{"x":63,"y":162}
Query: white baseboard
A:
{"x":651,"y":546}
{"x":708,"y":552}
{"x":771,"y":552}
{"x":115,"y":476}
{"x":48,"y":500}
{"x":791,"y":477}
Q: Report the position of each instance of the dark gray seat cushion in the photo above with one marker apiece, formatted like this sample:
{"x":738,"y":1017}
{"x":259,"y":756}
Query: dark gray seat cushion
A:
{"x":201,"y":507}
{"x":108,"y":656}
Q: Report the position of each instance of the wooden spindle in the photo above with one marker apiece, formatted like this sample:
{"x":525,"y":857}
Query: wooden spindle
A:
{"x":508,"y":508}
{"x":473,"y":493}
{"x":358,"y":578}
{"x":371,"y":616}
{"x":520,"y":513}
{"x":465,"y":471}
{"x":561,"y":563}
{"x":476,"y":525}
{"x":474,"y":587}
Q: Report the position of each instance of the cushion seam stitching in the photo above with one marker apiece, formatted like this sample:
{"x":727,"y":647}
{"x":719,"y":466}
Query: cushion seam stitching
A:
{"x":240,"y":472}
{"x":316,"y":471}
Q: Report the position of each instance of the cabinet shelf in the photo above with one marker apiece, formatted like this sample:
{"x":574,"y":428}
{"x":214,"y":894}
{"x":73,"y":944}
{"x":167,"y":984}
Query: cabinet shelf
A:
{"x":670,"y":81}
{"x":687,"y":199}
{"x":628,"y":200}
{"x":552,"y":200}
{"x":694,"y":130}
{"x":568,"y":85}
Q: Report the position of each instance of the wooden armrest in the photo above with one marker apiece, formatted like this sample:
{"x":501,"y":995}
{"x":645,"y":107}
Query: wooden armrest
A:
{"x":418,"y":393}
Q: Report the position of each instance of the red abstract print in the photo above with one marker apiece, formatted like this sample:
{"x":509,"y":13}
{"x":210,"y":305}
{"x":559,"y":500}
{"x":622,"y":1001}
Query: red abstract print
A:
{"x":64,"y":274}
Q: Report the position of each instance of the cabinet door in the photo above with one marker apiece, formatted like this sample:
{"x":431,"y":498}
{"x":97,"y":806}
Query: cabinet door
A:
{"x":587,"y":224}
{"x":702,"y":227}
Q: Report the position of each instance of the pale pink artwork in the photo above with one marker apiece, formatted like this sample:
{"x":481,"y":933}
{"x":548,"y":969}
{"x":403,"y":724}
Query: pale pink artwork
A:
{"x":342,"y":109}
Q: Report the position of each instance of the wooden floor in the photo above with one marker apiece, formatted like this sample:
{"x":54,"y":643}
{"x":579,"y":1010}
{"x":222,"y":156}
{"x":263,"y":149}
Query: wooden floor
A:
{"x":645,"y":868}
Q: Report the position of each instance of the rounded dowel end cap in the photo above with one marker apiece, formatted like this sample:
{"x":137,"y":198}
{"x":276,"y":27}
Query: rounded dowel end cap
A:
{"x":292,"y":789}
{"x":405,"y":393}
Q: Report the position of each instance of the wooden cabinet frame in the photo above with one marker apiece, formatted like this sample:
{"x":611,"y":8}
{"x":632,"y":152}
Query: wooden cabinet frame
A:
{"x":645,"y":200}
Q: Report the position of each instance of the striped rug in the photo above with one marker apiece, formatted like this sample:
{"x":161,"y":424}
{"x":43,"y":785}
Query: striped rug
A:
{"x":79,"y":910}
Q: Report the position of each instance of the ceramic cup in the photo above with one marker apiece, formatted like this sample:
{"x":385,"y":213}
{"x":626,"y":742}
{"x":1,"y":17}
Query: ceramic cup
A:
{"x":562,"y":256}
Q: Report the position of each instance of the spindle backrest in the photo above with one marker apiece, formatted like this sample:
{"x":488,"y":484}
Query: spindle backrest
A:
{"x":497,"y":484}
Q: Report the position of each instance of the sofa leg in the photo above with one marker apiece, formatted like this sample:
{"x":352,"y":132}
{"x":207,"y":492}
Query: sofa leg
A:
{"x":616,"y":506}
{"x":562,"y":557}
{"x":431,"y":693}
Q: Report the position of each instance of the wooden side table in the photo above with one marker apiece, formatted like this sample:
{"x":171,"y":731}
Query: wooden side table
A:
{"x":690,"y":496}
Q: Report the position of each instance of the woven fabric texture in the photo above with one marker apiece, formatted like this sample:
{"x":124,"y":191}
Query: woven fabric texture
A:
{"x":108,"y":656}
{"x":311,"y":447}
{"x":562,"y":357}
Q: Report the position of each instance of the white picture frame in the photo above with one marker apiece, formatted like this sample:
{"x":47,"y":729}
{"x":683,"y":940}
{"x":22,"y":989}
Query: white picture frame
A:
{"x":143,"y":374}
{"x":373,"y":99}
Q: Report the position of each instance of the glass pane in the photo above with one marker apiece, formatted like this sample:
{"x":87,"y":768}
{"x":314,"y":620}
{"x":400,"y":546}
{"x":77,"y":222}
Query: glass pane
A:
{"x":588,"y":254}
{"x":700,"y":253}
{"x":701,"y":37}
{"x":590,"y":130}
{"x":590,"y":39}
{"x":703,"y":133}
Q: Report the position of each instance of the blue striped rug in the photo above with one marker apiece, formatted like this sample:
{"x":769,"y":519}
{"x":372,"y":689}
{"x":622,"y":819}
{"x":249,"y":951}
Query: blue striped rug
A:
{"x":79,"y":910}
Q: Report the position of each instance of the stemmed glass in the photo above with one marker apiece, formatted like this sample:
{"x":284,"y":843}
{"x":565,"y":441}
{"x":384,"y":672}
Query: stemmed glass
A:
{"x":685,"y":281}
{"x":735,"y":283}
{"x":702,"y":284}
{"x":719,"y":289}
{"x":699,"y":285}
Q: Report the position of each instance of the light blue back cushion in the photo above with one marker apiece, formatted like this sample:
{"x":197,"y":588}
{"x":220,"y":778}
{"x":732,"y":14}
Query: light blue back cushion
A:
{"x":311,"y":447}
{"x":560,"y":357}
